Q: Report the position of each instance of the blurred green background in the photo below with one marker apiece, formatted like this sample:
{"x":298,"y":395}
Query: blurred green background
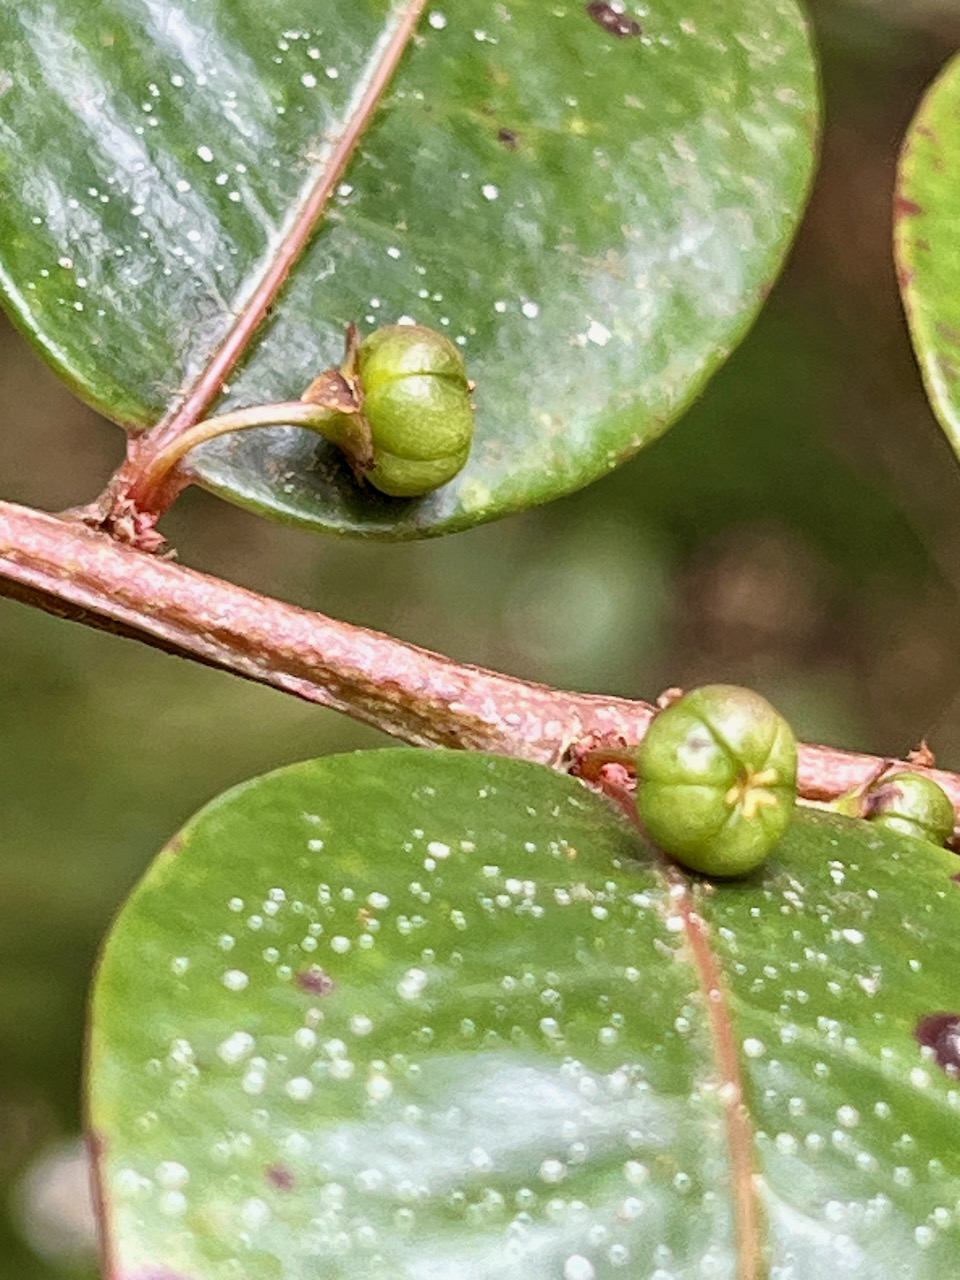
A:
{"x":799,"y":532}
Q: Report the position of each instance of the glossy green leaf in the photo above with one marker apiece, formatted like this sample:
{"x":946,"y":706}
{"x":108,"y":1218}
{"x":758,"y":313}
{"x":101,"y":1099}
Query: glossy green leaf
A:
{"x":437,"y":1015}
{"x":595,"y":217}
{"x":927,"y":233}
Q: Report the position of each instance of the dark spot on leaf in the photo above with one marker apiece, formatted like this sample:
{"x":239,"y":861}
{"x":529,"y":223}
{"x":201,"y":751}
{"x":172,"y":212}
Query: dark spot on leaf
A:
{"x":315,"y":980}
{"x":279,"y":1176}
{"x":941,"y":1033}
{"x":508,"y":138}
{"x":175,"y":845}
{"x":613,"y":19}
{"x":904,"y":208}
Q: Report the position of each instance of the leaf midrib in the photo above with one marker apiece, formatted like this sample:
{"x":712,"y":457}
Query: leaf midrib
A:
{"x":262,"y":289}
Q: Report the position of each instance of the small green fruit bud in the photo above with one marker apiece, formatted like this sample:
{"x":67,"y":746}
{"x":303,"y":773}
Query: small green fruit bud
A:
{"x":912,"y":805}
{"x":717,"y":779}
{"x":416,"y":398}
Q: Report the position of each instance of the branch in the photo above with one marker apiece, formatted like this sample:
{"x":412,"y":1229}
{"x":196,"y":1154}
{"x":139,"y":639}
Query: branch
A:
{"x":62,"y":566}
{"x":66,"y":568}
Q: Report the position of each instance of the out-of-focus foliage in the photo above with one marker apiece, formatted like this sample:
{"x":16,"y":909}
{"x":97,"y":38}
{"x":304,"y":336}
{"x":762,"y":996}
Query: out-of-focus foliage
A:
{"x":819,"y":562}
{"x":927,"y":209}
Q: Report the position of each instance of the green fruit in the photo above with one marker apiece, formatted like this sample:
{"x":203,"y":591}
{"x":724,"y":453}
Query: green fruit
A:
{"x":717,"y":779}
{"x":416,"y":399}
{"x":912,"y":805}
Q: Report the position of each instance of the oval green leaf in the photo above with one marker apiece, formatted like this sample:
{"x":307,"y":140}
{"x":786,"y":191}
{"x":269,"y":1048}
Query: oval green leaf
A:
{"x":425,"y":1014}
{"x":926,"y":234}
{"x":595,"y":214}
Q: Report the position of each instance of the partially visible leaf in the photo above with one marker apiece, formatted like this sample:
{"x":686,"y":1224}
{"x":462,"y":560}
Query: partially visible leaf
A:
{"x":595,"y":216}
{"x":437,"y":1015}
{"x":837,"y":961}
{"x":926,"y":240}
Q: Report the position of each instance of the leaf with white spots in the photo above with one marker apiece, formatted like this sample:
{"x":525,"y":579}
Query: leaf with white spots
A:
{"x":411,"y":1016}
{"x":836,"y":962}
{"x":594,"y":205}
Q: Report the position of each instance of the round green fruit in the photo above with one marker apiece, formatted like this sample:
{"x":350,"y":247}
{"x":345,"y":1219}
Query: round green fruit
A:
{"x":912,"y":805}
{"x":717,"y":779}
{"x":416,"y":398}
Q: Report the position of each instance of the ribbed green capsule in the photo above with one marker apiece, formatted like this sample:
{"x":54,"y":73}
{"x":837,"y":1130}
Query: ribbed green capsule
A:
{"x":912,"y":805}
{"x":416,"y":398}
{"x":717,"y":779}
